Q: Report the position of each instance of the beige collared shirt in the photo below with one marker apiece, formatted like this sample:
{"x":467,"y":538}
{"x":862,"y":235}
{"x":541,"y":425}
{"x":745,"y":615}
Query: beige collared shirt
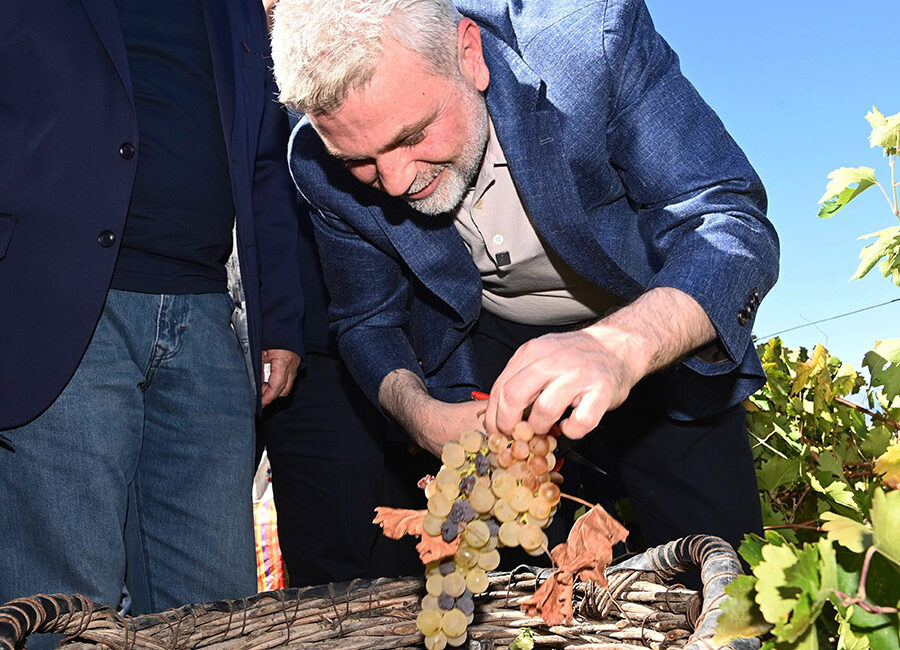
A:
{"x":522,"y":277}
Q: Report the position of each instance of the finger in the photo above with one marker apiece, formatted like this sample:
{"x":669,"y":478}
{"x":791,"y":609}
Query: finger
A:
{"x":266,"y":395}
{"x":516,"y":396}
{"x":550,"y":405}
{"x":588,"y":411}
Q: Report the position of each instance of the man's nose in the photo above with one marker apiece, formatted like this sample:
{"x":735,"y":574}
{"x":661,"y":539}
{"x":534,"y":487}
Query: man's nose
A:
{"x":396,"y":172}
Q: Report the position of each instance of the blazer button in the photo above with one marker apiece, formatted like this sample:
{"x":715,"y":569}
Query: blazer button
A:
{"x":106,"y":238}
{"x":126,"y":150}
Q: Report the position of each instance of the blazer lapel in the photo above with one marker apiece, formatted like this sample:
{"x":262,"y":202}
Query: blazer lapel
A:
{"x":105,"y":17}
{"x":529,"y":132}
{"x":222,"y":49}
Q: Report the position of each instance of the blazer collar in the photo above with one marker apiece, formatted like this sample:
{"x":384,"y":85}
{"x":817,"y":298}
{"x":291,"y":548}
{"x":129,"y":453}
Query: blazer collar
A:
{"x":222,"y":51}
{"x":105,"y":17}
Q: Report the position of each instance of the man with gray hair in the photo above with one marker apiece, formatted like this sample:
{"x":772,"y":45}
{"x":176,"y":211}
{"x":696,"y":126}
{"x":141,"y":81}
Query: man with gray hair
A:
{"x":528,"y":197}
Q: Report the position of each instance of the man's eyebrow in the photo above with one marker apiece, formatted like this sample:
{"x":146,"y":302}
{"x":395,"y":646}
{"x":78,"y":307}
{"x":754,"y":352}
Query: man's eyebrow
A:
{"x":404,"y":134}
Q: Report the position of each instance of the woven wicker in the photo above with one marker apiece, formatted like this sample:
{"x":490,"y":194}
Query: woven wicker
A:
{"x":638,"y":609}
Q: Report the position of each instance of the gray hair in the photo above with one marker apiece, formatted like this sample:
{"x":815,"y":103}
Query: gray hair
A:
{"x":322,"y":49}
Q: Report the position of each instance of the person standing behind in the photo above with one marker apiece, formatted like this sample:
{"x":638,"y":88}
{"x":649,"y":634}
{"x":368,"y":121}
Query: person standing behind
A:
{"x":135,"y":134}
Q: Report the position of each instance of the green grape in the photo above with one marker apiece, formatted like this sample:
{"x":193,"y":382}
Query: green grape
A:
{"x":431,"y":524}
{"x":550,"y":493}
{"x":530,"y":537}
{"x":434,"y":585}
{"x":539,"y":508}
{"x":451,"y":492}
{"x":509,"y":534}
{"x":520,"y":498}
{"x":551,"y":460}
{"x":496,"y":442}
{"x":520,"y":450}
{"x":477,"y":581}
{"x":439,"y":505}
{"x":530,"y":481}
{"x":502,"y":483}
{"x":454,"y":585}
{"x":454,"y":624}
{"x":552,"y":442}
{"x":447,"y":476}
{"x":539,"y":445}
{"x":522,"y":431}
{"x":538,"y":465}
{"x":456,"y":641}
{"x":453,"y":455}
{"x":477,"y":533}
{"x":430,"y":621}
{"x":466,"y":557}
{"x":505,"y":458}
{"x":481,"y":499}
{"x":471,"y":441}
{"x":436,"y":641}
{"x":503,"y":511}
{"x":430,"y":602}
{"x":489,"y":560}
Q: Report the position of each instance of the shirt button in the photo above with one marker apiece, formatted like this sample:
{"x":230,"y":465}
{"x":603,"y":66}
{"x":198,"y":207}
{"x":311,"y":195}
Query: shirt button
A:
{"x":126,"y":150}
{"x":498,"y":239}
{"x":106,"y":238}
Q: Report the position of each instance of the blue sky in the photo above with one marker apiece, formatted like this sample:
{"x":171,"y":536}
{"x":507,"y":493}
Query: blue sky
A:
{"x":793,"y":80}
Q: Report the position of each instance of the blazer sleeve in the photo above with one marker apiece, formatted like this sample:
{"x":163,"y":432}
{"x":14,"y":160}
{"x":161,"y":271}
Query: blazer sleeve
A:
{"x":701,"y":206}
{"x":276,"y":222}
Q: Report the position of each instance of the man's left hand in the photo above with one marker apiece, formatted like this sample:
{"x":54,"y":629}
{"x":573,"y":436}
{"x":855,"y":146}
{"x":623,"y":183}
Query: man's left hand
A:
{"x":283,"y":365}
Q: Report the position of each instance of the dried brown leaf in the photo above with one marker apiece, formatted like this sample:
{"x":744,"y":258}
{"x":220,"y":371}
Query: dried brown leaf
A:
{"x":552,"y":601}
{"x":432,"y":548}
{"x":397,"y":522}
{"x":588,"y":550}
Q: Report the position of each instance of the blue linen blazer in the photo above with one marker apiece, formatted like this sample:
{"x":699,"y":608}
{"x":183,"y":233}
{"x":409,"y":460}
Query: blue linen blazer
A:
{"x":629,"y":175}
{"x":66,"y":110}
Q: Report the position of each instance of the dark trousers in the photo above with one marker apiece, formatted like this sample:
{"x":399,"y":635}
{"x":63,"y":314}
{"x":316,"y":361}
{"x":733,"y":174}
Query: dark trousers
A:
{"x":681,"y":478}
{"x":333,"y":461}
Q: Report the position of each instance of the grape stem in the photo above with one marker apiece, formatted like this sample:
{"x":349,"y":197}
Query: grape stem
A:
{"x":577,"y":500}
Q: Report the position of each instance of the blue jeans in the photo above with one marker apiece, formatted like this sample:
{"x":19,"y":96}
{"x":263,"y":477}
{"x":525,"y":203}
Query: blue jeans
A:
{"x":140,"y":472}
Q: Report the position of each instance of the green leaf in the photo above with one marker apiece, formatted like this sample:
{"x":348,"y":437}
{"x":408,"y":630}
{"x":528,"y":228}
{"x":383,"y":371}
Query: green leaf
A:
{"x":847,"y":532}
{"x":770,"y":583}
{"x":887,"y":246}
{"x":778,"y":472}
{"x":886,"y":524}
{"x":836,"y":491}
{"x":525,"y":640}
{"x":884,"y":365}
{"x":848,"y":639}
{"x":740,"y":617}
{"x":829,"y":463}
{"x":885,"y":131}
{"x":840,"y":189}
{"x":751,"y":549}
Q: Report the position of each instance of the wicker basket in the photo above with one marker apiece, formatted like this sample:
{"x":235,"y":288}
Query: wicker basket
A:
{"x":638,"y":609}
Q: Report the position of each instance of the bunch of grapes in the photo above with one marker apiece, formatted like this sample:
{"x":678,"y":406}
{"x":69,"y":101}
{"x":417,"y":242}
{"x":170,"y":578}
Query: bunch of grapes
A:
{"x":490,"y":492}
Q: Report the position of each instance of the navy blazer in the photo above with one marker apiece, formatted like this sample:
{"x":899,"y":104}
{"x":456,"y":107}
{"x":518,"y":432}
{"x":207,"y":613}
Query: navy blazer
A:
{"x":629,"y":176}
{"x":67,"y":121}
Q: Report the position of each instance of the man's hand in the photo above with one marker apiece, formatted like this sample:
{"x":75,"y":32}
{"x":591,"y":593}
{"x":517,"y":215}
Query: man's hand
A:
{"x":592,"y":370}
{"x":283,"y":365}
{"x":429,"y":422}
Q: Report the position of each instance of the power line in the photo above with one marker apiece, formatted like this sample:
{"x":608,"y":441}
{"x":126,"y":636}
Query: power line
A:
{"x":763,"y":339}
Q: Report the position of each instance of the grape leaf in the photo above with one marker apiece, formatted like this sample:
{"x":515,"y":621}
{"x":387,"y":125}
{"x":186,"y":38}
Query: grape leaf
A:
{"x":886,"y":524}
{"x":588,"y":549}
{"x":887,"y":246}
{"x":740,"y":617}
{"x":777,"y":472}
{"x":552,"y":601}
{"x":840,"y":191}
{"x":888,"y":464}
{"x":751,"y":549}
{"x":814,"y":575}
{"x":397,"y":522}
{"x":883,"y":363}
{"x":433,"y":548}
{"x":885,"y":131}
{"x":770,"y":582}
{"x":847,"y":532}
{"x":836,"y":491}
{"x":848,"y":639}
{"x":525,"y":640}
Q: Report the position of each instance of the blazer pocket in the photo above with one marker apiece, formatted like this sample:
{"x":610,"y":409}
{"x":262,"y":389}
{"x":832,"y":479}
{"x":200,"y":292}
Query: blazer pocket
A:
{"x":7,"y":225}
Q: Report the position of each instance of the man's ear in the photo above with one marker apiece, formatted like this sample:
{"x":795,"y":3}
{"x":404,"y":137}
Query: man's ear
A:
{"x":471,"y":56}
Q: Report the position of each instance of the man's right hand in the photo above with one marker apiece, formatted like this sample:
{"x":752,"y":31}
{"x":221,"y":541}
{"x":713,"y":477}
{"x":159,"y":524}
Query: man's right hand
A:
{"x":429,"y":422}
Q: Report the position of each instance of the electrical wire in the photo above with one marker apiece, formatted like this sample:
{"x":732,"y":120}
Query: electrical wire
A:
{"x":763,"y":339}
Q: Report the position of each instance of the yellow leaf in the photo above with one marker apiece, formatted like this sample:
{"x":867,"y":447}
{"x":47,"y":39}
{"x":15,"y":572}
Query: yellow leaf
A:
{"x":889,"y":465}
